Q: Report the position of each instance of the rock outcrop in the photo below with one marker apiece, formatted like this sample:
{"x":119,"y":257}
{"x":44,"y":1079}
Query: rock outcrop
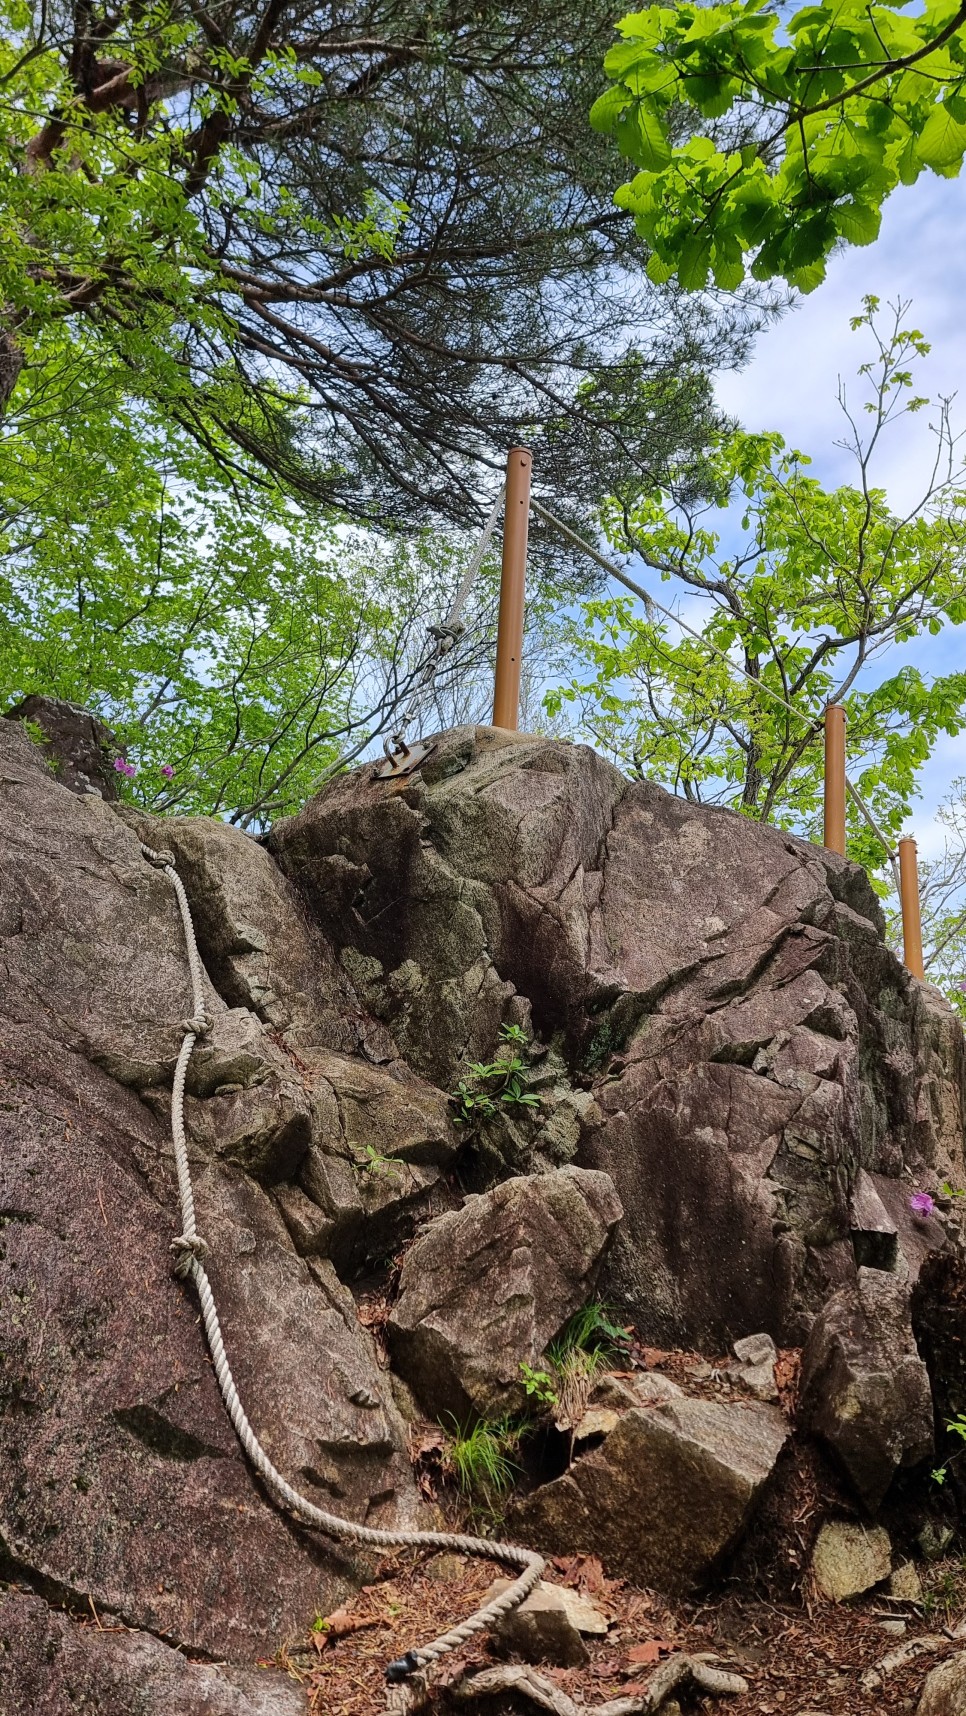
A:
{"x":486,"y":1289}
{"x":734,"y":1090}
{"x":721,"y":991}
{"x":667,"y":1493}
{"x":77,"y":748}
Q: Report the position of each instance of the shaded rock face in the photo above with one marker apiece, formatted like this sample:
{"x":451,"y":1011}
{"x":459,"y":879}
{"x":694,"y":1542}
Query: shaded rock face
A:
{"x":865,"y":1390}
{"x":49,"y":1665}
{"x":121,"y":1481}
{"x":79,"y":750}
{"x":487,"y":1288}
{"x":720,"y":991}
{"x":666,"y":1495}
{"x":719,"y":1045}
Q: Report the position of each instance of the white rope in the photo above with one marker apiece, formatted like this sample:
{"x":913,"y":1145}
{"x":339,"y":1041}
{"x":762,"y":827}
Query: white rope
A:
{"x":189,"y":1251}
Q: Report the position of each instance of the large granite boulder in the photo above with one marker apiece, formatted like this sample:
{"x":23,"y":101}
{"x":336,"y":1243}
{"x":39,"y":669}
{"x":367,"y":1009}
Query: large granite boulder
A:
{"x":667,"y":1493}
{"x":486,"y":1288}
{"x":721,"y":991}
{"x":121,"y":1482}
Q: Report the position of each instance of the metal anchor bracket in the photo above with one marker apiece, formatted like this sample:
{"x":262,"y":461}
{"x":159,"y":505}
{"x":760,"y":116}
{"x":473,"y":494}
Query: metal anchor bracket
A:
{"x":401,"y":759}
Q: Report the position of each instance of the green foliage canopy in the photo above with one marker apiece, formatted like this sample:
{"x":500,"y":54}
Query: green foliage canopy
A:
{"x":800,"y":592}
{"x":363,"y":250}
{"x":237,"y":643}
{"x":760,"y":137}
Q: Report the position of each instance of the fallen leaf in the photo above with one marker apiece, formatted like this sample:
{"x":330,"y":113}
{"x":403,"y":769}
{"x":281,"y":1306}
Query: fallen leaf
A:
{"x":650,"y":1651}
{"x":340,"y":1623}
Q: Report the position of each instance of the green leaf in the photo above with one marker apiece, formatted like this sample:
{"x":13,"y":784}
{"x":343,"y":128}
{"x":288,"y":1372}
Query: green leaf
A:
{"x":942,"y":140}
{"x":608,"y":108}
{"x":858,"y":222}
{"x":695,"y":263}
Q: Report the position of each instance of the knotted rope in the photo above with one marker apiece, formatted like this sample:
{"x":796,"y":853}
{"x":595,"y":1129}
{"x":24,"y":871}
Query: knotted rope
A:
{"x":189,"y":1252}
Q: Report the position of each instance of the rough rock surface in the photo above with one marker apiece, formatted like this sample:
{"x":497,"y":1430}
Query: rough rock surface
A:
{"x":666,"y":1494}
{"x":120,"y":1479}
{"x":78,"y":749}
{"x":849,"y":1558}
{"x":944,"y":1693}
{"x":49,"y":1666}
{"x":486,"y":1288}
{"x":711,"y":1023}
{"x":721,"y":992}
{"x":550,"y":1625}
{"x":864,"y":1387}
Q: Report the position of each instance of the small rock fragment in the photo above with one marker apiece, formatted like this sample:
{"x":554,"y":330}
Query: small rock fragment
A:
{"x":934,"y":1540}
{"x":757,"y":1355}
{"x":849,"y":1558}
{"x":596,"y":1421}
{"x":547,"y":1627}
{"x":906,"y":1584}
{"x":444,"y":1568}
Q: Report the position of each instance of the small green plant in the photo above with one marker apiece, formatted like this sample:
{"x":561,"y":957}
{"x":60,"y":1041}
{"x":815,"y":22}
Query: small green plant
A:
{"x":591,"y":1329}
{"x":479,"y":1457}
{"x":373,"y":1163}
{"x":948,"y":1191}
{"x":572,"y":1361}
{"x":956,"y":1427}
{"x":944,"y":1597}
{"x":490,"y":1084}
{"x":513,"y":1034}
{"x":539,"y":1385}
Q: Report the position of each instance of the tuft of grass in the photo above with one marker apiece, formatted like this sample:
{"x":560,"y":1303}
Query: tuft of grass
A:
{"x":590,"y":1330}
{"x":479,"y":1457}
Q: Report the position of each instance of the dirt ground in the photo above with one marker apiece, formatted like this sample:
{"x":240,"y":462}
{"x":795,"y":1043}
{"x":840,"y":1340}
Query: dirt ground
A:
{"x":811,"y":1658}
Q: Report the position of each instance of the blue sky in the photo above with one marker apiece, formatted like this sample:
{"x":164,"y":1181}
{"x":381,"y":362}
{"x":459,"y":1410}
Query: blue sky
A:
{"x":791,"y":385}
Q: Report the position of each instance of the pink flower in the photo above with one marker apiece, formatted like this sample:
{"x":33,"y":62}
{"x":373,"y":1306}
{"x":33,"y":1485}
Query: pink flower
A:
{"x":167,"y":771}
{"x":922,"y":1205}
{"x":125,"y":768}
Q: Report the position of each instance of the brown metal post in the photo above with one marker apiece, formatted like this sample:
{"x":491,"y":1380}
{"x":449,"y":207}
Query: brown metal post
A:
{"x":911,"y":919}
{"x":509,"y":636}
{"x":835,"y":778}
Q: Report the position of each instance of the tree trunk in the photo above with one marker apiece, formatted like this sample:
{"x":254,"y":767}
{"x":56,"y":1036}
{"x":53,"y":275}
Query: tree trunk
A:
{"x":11,"y":363}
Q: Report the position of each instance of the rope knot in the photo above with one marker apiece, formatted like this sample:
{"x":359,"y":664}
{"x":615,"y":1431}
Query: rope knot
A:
{"x":198,"y":1025}
{"x":187,"y":1250}
{"x":160,"y":860}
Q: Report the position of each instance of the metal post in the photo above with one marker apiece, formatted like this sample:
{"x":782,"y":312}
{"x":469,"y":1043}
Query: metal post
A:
{"x":835,"y":778}
{"x":911,"y":919}
{"x":509,"y":637}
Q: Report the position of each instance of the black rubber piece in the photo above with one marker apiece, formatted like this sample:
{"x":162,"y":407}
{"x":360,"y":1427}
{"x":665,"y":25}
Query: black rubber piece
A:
{"x":401,"y":1670}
